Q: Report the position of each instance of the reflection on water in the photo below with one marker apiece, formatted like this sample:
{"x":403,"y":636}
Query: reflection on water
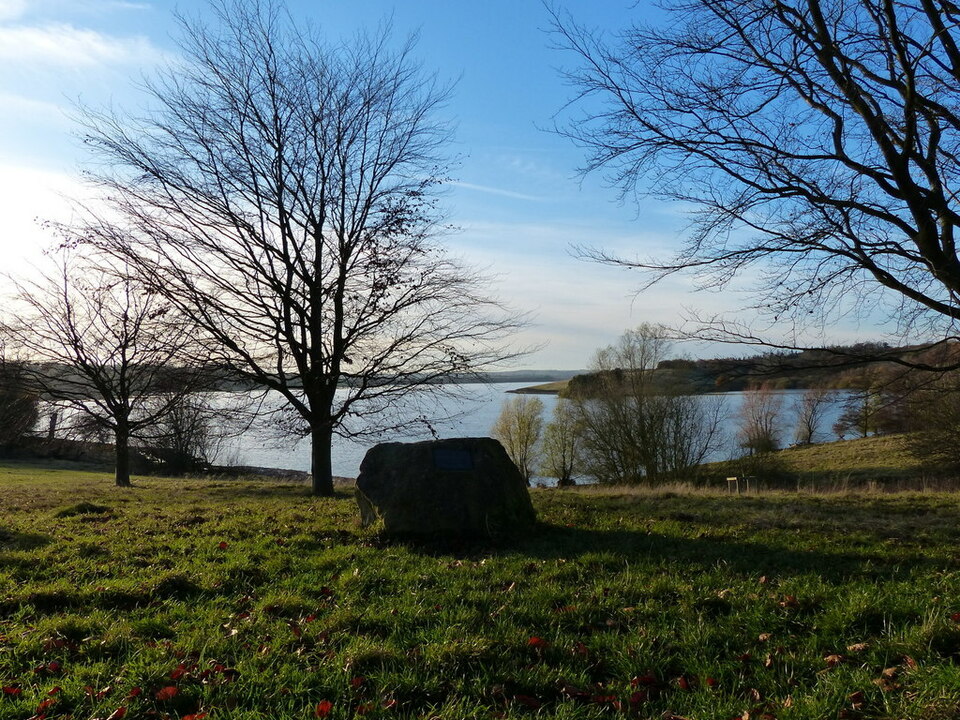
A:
{"x":477,"y":409}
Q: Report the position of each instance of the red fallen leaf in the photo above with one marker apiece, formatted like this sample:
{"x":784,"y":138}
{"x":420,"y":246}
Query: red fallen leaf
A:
{"x":744,"y":658}
{"x":528,"y":701}
{"x":195,"y":716}
{"x":581,"y":650}
{"x":280,"y":541}
{"x":135,"y":692}
{"x":119,"y":713}
{"x":955,"y":617}
{"x":295,"y":629}
{"x":326,"y":592}
{"x":9,"y":690}
{"x":574,"y":692}
{"x":683,"y":683}
{"x":603,"y":699}
{"x":364,"y":709}
{"x":54,"y":666}
{"x":538,"y":643}
{"x":789,"y":601}
{"x":223,"y":545}
{"x":166,"y":693}
{"x":323,"y":709}
{"x":648,"y":679}
{"x":711,"y":682}
{"x":310,"y":618}
{"x":54,"y":690}
{"x":640,"y":696}
{"x":357,"y":681}
{"x":909,"y":662}
{"x":178,"y":672}
{"x":389,"y":704}
{"x":45,"y":705}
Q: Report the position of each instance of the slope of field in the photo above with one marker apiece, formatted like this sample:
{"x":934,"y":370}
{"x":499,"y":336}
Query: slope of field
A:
{"x":230,"y":599}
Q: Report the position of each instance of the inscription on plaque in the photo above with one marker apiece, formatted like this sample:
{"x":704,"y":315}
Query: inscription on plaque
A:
{"x":452,"y":459}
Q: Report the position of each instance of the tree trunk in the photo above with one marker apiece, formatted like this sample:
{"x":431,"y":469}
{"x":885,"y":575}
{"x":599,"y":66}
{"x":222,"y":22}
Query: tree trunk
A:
{"x":321,"y":467}
{"x":121,"y":443}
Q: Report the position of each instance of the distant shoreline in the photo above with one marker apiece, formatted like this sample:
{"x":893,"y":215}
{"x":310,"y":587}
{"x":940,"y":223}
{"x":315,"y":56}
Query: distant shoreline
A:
{"x":550,"y":388}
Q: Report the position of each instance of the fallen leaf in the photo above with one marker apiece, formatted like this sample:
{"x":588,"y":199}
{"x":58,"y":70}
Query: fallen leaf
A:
{"x":528,"y":701}
{"x":45,"y":705}
{"x":323,"y":709}
{"x":166,"y":693}
{"x":119,"y":713}
{"x":538,"y":643}
{"x":833,"y":660}
{"x":857,"y":647}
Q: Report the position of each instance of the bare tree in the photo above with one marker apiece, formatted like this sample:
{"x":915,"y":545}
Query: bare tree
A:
{"x":864,"y":404}
{"x":811,"y":411}
{"x":284,"y":192}
{"x":635,"y":429}
{"x":518,"y":428}
{"x":819,"y":141}
{"x":562,"y":444}
{"x":19,"y":403}
{"x":759,"y":421}
{"x":98,"y":343}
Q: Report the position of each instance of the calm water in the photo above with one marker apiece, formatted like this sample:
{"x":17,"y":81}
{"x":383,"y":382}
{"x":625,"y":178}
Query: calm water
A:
{"x":477,"y":413}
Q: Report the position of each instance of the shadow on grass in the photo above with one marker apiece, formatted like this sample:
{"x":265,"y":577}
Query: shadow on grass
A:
{"x":14,"y":540}
{"x":750,"y":559}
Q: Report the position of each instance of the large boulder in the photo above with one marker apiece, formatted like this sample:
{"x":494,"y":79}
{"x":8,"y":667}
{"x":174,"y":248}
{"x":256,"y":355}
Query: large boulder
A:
{"x":460,"y":486}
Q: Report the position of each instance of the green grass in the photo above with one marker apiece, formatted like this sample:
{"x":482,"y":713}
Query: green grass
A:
{"x":874,"y":463}
{"x":255,"y":600}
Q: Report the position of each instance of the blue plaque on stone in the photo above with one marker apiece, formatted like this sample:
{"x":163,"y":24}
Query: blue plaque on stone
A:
{"x":452,"y":459}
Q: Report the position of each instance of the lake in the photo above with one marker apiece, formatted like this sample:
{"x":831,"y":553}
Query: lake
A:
{"x":477,"y":409}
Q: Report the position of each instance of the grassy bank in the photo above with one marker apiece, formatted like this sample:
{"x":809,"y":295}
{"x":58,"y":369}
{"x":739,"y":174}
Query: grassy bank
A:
{"x":873,"y":463}
{"x":252,"y":600}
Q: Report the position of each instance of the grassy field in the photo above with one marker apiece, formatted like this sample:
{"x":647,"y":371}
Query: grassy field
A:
{"x":238,"y":599}
{"x":874,"y":463}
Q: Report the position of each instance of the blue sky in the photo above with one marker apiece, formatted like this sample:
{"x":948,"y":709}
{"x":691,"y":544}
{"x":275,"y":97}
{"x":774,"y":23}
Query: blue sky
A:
{"x":516,"y":198}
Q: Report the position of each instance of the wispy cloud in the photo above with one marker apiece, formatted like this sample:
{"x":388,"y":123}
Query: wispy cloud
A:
{"x":497,"y":191}
{"x":64,"y":45}
{"x":12,"y":9}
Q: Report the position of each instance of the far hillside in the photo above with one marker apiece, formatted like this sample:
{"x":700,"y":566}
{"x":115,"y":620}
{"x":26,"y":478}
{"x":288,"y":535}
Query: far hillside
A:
{"x":832,"y":367}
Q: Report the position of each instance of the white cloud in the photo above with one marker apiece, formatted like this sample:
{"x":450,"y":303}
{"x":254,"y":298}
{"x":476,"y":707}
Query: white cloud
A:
{"x":65,"y":45}
{"x":496,"y":191}
{"x":28,"y":197}
{"x":18,"y":108}
{"x":12,"y":9}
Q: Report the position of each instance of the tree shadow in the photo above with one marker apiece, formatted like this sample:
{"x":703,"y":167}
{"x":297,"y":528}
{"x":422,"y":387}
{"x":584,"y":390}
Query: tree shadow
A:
{"x":748,"y":559}
{"x":15,"y":540}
